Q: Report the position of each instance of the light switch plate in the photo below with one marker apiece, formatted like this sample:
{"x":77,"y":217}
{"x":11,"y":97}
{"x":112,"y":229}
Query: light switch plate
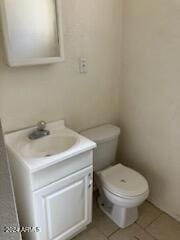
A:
{"x":83,"y":65}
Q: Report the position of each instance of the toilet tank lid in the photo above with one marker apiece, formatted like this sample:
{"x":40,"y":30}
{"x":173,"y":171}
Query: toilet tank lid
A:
{"x":102,"y":133}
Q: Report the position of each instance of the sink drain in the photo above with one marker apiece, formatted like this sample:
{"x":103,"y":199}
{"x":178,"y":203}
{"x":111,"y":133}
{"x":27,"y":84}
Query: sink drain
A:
{"x":123,"y":181}
{"x":48,"y":155}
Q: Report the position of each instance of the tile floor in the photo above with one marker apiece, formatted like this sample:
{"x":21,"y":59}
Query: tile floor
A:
{"x":151,"y":225}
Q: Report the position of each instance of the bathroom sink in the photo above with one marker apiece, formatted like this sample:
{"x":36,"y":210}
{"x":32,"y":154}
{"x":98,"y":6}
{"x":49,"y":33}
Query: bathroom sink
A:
{"x":47,"y":146}
{"x":62,"y":144}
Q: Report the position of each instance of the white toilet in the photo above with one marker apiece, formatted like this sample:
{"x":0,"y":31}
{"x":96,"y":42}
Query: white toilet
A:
{"x":121,"y":189}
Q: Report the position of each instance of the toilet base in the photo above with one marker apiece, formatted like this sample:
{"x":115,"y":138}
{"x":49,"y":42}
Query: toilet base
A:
{"x":123,"y":217}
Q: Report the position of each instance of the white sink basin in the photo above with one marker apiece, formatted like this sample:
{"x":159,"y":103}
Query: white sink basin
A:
{"x":47,"y":146}
{"x":62,"y":143}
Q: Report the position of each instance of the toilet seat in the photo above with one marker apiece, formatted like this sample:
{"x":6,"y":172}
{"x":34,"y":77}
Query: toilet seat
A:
{"x":123,"y":181}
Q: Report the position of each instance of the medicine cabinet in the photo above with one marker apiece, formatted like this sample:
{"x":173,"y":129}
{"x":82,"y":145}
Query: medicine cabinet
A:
{"x":32,"y":31}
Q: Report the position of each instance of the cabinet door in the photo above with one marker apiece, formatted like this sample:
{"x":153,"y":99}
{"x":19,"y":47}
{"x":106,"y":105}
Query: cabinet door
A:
{"x":64,"y":207}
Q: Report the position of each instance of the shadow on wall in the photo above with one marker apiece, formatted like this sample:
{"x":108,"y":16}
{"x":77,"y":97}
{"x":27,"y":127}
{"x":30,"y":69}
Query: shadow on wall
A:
{"x":153,"y":176}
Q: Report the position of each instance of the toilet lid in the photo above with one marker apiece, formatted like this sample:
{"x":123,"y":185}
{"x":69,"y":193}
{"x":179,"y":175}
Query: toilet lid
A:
{"x":123,"y":181}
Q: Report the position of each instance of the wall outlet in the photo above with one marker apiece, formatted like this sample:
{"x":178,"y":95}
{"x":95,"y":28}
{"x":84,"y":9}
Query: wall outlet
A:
{"x":83,"y":65}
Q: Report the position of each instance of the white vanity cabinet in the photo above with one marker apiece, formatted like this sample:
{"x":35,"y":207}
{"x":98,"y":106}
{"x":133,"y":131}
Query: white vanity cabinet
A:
{"x":52,"y":178}
{"x":56,"y":199}
{"x":63,"y":208}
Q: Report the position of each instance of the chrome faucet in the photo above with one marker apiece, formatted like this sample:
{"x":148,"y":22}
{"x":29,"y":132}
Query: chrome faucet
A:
{"x":40,"y":131}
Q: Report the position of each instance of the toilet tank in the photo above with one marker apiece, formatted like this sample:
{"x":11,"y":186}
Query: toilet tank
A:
{"x":106,"y":138}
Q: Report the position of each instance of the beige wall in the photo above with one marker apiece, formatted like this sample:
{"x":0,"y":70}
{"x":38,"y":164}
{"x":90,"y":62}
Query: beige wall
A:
{"x":92,"y":29}
{"x":151,"y":97}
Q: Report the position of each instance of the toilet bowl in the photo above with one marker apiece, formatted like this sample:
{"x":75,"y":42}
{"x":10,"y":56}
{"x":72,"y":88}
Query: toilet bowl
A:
{"x":122,"y":190}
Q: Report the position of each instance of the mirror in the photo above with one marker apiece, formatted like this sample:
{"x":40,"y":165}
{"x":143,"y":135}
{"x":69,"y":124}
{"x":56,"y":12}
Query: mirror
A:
{"x":32,"y":31}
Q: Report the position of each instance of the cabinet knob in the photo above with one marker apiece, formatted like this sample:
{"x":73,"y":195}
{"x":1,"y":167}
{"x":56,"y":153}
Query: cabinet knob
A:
{"x":90,"y":184}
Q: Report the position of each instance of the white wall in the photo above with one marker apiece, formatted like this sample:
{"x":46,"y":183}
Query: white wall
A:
{"x":150,"y":117}
{"x":92,"y":29}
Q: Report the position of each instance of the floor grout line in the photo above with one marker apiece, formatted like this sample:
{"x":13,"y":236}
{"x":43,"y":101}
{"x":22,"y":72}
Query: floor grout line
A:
{"x":161,"y":213}
{"x":154,"y":220}
{"x":136,"y":238}
{"x":150,"y":234}
{"x":113,"y":233}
